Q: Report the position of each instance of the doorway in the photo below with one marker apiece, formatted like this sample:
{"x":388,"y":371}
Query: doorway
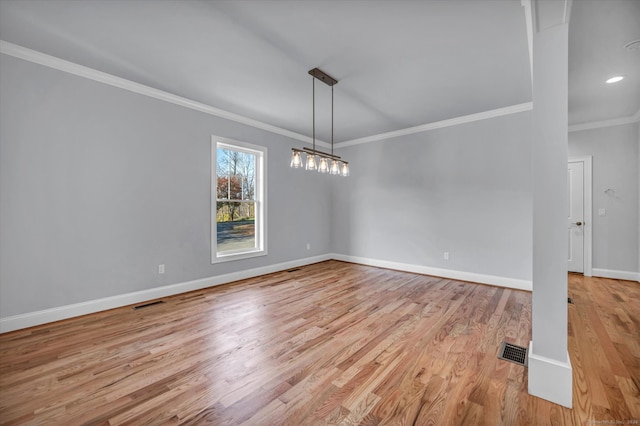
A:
{"x":579,"y":217}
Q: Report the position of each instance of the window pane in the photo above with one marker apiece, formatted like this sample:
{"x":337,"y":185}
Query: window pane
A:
{"x":248,"y":168}
{"x":222,"y":171}
{"x":235,"y":175}
{"x":235,"y":225}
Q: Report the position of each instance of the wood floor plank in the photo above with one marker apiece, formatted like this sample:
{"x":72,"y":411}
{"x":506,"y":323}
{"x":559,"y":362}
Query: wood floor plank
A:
{"x":329,"y":343}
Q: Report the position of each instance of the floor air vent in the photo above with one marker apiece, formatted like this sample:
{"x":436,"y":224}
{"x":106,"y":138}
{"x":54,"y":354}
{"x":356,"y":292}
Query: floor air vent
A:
{"x":514,"y":353}
{"x":147,"y":305}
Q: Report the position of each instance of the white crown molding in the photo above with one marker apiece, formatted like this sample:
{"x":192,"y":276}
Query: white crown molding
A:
{"x":635,"y":118}
{"x":527,"y":106}
{"x":40,"y":58}
{"x":567,"y":11}
{"x":548,"y":14}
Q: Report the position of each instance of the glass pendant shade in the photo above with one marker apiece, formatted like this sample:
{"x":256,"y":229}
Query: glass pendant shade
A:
{"x":335,"y":167}
{"x":296,"y":160}
{"x":311,"y":162}
{"x":345,"y":169}
{"x":323,"y":167}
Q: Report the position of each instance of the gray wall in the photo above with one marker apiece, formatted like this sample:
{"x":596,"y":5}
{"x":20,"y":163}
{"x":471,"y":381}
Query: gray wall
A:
{"x":98,"y":186}
{"x":464,"y":189}
{"x":615,"y":166}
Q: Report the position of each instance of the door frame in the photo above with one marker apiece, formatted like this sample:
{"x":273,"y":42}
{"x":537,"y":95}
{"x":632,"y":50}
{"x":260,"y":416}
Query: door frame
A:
{"x":587,"y":161}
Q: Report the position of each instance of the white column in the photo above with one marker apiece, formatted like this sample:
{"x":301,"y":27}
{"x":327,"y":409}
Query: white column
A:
{"x":550,"y":373}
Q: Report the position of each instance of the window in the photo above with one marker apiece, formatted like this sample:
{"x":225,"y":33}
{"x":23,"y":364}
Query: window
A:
{"x":237,"y":210}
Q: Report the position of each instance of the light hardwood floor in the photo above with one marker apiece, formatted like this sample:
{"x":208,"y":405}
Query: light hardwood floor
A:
{"x":330,"y":343}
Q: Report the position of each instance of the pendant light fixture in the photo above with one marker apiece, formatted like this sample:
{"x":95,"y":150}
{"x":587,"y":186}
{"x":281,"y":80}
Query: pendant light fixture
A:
{"x":317,"y":160}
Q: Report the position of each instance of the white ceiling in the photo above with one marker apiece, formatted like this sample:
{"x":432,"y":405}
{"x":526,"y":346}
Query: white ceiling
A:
{"x":598,"y":31}
{"x":400,"y":63}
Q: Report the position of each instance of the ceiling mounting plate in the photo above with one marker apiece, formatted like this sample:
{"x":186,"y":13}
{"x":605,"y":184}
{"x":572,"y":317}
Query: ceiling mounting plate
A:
{"x":325,"y":78}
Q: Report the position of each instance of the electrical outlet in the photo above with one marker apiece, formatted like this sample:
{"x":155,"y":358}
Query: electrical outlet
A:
{"x":602,"y":212}
{"x":308,"y":246}
{"x":161,"y":269}
{"x":446,"y":255}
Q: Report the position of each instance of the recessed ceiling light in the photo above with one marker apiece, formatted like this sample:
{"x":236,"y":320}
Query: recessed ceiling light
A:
{"x":615,"y":79}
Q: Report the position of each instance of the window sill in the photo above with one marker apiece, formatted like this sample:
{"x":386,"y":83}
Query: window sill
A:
{"x":230,"y":256}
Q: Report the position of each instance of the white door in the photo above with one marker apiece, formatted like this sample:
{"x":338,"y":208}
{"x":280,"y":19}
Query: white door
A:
{"x":575,"y":220}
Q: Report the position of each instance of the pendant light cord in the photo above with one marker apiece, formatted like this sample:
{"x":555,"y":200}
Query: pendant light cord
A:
{"x":331,"y":120}
{"x":313,"y":91}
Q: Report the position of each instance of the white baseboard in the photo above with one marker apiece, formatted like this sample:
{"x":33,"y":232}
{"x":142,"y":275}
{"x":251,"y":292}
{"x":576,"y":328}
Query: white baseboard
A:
{"x":617,"y":275}
{"x":31,"y":319}
{"x":550,"y":379}
{"x":438,"y":272}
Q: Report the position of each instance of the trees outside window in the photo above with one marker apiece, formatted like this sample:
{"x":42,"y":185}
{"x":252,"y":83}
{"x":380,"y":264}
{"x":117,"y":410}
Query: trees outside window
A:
{"x":238,"y":183}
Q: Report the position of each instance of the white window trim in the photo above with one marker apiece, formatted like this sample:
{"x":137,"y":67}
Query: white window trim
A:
{"x":261,"y":200}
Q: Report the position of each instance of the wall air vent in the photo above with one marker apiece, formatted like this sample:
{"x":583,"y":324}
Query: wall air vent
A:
{"x":148,"y":305}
